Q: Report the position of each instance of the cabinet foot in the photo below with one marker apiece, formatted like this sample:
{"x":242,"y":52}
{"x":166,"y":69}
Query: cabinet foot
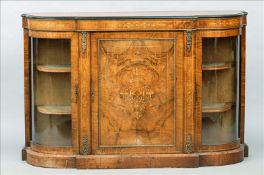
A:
{"x":245,"y":150}
{"x":24,"y":154}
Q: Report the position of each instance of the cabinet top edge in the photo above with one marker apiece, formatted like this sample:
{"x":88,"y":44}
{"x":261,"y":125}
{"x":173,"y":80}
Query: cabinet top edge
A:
{"x":137,"y":15}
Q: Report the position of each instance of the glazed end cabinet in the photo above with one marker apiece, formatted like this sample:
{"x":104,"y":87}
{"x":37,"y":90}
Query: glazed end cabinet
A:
{"x":134,"y":89}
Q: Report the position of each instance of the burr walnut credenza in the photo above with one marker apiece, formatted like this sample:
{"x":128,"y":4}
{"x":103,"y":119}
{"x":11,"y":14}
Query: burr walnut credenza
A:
{"x":135,"y":89}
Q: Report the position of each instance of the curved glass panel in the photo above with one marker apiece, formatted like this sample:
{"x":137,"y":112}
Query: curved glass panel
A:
{"x":220,"y":95}
{"x":51,"y":92}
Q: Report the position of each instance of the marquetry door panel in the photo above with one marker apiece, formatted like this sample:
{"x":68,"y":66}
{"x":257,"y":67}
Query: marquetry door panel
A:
{"x":137,"y":92}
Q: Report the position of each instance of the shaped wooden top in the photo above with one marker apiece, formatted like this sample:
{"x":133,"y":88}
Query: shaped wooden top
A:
{"x":137,"y":15}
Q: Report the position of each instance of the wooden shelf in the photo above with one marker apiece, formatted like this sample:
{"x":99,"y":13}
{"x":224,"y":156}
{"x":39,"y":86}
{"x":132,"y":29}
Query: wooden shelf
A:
{"x":216,"y":66}
{"x":216,"y":107}
{"x":54,"y":110}
{"x":54,"y":68}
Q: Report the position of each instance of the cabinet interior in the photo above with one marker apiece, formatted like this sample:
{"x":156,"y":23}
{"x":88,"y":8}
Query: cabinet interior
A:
{"x":219,"y":90}
{"x":51,"y":95}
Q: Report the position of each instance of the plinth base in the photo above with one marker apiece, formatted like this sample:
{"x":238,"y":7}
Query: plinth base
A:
{"x":135,"y":160}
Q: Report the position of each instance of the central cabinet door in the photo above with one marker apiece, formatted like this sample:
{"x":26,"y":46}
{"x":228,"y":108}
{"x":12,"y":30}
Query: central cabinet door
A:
{"x":137,"y":91}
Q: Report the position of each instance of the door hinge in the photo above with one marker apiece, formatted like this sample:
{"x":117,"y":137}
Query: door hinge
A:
{"x":92,"y":93}
{"x":76,"y":92}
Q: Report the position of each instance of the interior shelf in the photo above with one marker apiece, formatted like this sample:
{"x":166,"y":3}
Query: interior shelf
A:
{"x":216,"y":107}
{"x":54,"y":110}
{"x":216,"y":66}
{"x":54,"y":68}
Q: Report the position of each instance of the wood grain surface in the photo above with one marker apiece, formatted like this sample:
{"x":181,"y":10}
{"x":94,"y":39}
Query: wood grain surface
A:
{"x":134,"y":92}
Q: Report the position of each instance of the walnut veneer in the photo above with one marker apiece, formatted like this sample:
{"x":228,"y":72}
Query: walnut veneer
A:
{"x":132,"y":90}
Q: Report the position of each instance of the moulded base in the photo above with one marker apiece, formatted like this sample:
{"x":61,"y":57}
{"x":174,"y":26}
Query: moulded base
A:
{"x":135,"y":160}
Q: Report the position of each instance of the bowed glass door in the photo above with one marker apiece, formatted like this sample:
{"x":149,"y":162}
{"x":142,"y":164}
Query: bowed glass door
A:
{"x":52,"y":76}
{"x":220,"y":87}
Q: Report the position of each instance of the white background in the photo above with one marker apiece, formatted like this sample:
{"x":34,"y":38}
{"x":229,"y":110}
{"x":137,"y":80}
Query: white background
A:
{"x":12,"y":104}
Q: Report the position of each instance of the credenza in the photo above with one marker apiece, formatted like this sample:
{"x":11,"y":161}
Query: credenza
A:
{"x":134,"y":89}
